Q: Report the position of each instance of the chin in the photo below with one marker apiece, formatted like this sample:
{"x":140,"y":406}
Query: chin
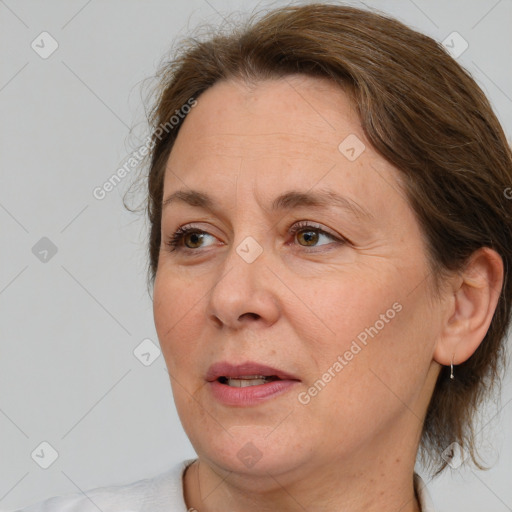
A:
{"x":251,"y":450}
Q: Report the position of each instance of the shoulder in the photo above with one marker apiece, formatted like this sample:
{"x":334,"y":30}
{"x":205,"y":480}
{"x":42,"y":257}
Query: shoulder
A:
{"x":158,"y":493}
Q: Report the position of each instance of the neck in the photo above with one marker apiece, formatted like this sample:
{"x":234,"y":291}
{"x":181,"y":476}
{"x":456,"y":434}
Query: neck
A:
{"x":323,"y":489}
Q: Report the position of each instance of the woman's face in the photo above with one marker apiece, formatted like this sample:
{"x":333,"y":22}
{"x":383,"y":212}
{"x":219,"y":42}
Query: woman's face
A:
{"x":333,"y":293}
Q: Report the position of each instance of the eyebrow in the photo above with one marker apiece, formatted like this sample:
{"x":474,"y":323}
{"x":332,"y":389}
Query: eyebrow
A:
{"x":286,"y":201}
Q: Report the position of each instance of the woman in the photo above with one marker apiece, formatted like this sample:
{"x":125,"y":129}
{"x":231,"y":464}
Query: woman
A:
{"x":329,"y":244}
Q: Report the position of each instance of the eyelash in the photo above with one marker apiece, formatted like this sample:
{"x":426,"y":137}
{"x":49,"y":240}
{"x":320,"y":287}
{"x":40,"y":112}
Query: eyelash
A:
{"x":174,"y":241}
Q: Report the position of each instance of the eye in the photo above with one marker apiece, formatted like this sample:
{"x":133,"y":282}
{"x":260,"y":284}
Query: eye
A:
{"x":183,"y":235}
{"x":311,"y":234}
{"x":192,"y":238}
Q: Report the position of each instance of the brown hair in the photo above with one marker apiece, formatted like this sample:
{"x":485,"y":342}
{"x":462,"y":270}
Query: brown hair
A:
{"x":421,"y":111}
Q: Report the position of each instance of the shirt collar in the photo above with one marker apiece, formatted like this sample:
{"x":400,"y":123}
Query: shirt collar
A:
{"x":424,"y":498}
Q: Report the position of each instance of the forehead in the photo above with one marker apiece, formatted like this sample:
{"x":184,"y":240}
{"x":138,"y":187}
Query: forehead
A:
{"x":277,"y":133}
{"x":270,"y":117}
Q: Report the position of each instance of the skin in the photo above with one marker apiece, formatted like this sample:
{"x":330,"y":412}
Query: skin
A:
{"x":300,"y":305}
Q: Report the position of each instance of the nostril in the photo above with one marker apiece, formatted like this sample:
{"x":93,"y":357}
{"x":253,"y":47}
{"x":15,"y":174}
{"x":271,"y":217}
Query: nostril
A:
{"x":254,"y":316}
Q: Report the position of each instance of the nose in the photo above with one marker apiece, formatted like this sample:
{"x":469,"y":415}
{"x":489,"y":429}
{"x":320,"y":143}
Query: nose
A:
{"x":245,"y":288}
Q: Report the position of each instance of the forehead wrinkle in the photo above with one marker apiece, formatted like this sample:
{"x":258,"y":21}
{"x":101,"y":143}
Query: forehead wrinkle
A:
{"x":268,"y":143}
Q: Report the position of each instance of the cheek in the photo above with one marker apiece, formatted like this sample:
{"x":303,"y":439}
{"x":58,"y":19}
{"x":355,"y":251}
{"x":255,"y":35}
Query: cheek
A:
{"x":175,"y":310}
{"x":385,"y":343}
{"x":372,"y":324}
{"x":346,"y":308}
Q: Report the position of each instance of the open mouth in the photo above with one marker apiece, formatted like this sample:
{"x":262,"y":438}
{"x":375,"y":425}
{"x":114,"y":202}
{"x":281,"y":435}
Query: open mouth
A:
{"x":249,"y":380}
{"x":247,"y":384}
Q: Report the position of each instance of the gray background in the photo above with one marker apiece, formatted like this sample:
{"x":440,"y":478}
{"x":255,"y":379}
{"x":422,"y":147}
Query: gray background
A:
{"x":69,"y":325}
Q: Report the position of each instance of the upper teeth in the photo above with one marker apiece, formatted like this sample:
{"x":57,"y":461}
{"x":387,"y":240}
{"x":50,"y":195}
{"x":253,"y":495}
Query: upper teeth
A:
{"x":249,"y":380}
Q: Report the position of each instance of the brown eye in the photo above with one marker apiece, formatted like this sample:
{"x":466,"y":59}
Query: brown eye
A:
{"x":310,"y":237}
{"x":187,"y":238}
{"x":195,"y":239}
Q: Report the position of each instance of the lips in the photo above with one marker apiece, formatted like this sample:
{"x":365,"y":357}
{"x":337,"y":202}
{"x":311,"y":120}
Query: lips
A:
{"x":225,"y":370}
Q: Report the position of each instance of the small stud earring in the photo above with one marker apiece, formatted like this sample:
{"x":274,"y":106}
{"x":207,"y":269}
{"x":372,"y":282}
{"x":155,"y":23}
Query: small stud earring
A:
{"x":451,"y":368}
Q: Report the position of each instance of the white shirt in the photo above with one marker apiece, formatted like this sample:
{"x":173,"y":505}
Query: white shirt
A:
{"x":161,"y":493}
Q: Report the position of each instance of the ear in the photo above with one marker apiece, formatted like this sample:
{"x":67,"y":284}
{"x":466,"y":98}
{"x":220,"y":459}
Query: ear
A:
{"x":475,"y":293}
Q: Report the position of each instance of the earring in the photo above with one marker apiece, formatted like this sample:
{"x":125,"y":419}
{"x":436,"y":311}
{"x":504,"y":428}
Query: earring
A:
{"x":451,"y":370}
